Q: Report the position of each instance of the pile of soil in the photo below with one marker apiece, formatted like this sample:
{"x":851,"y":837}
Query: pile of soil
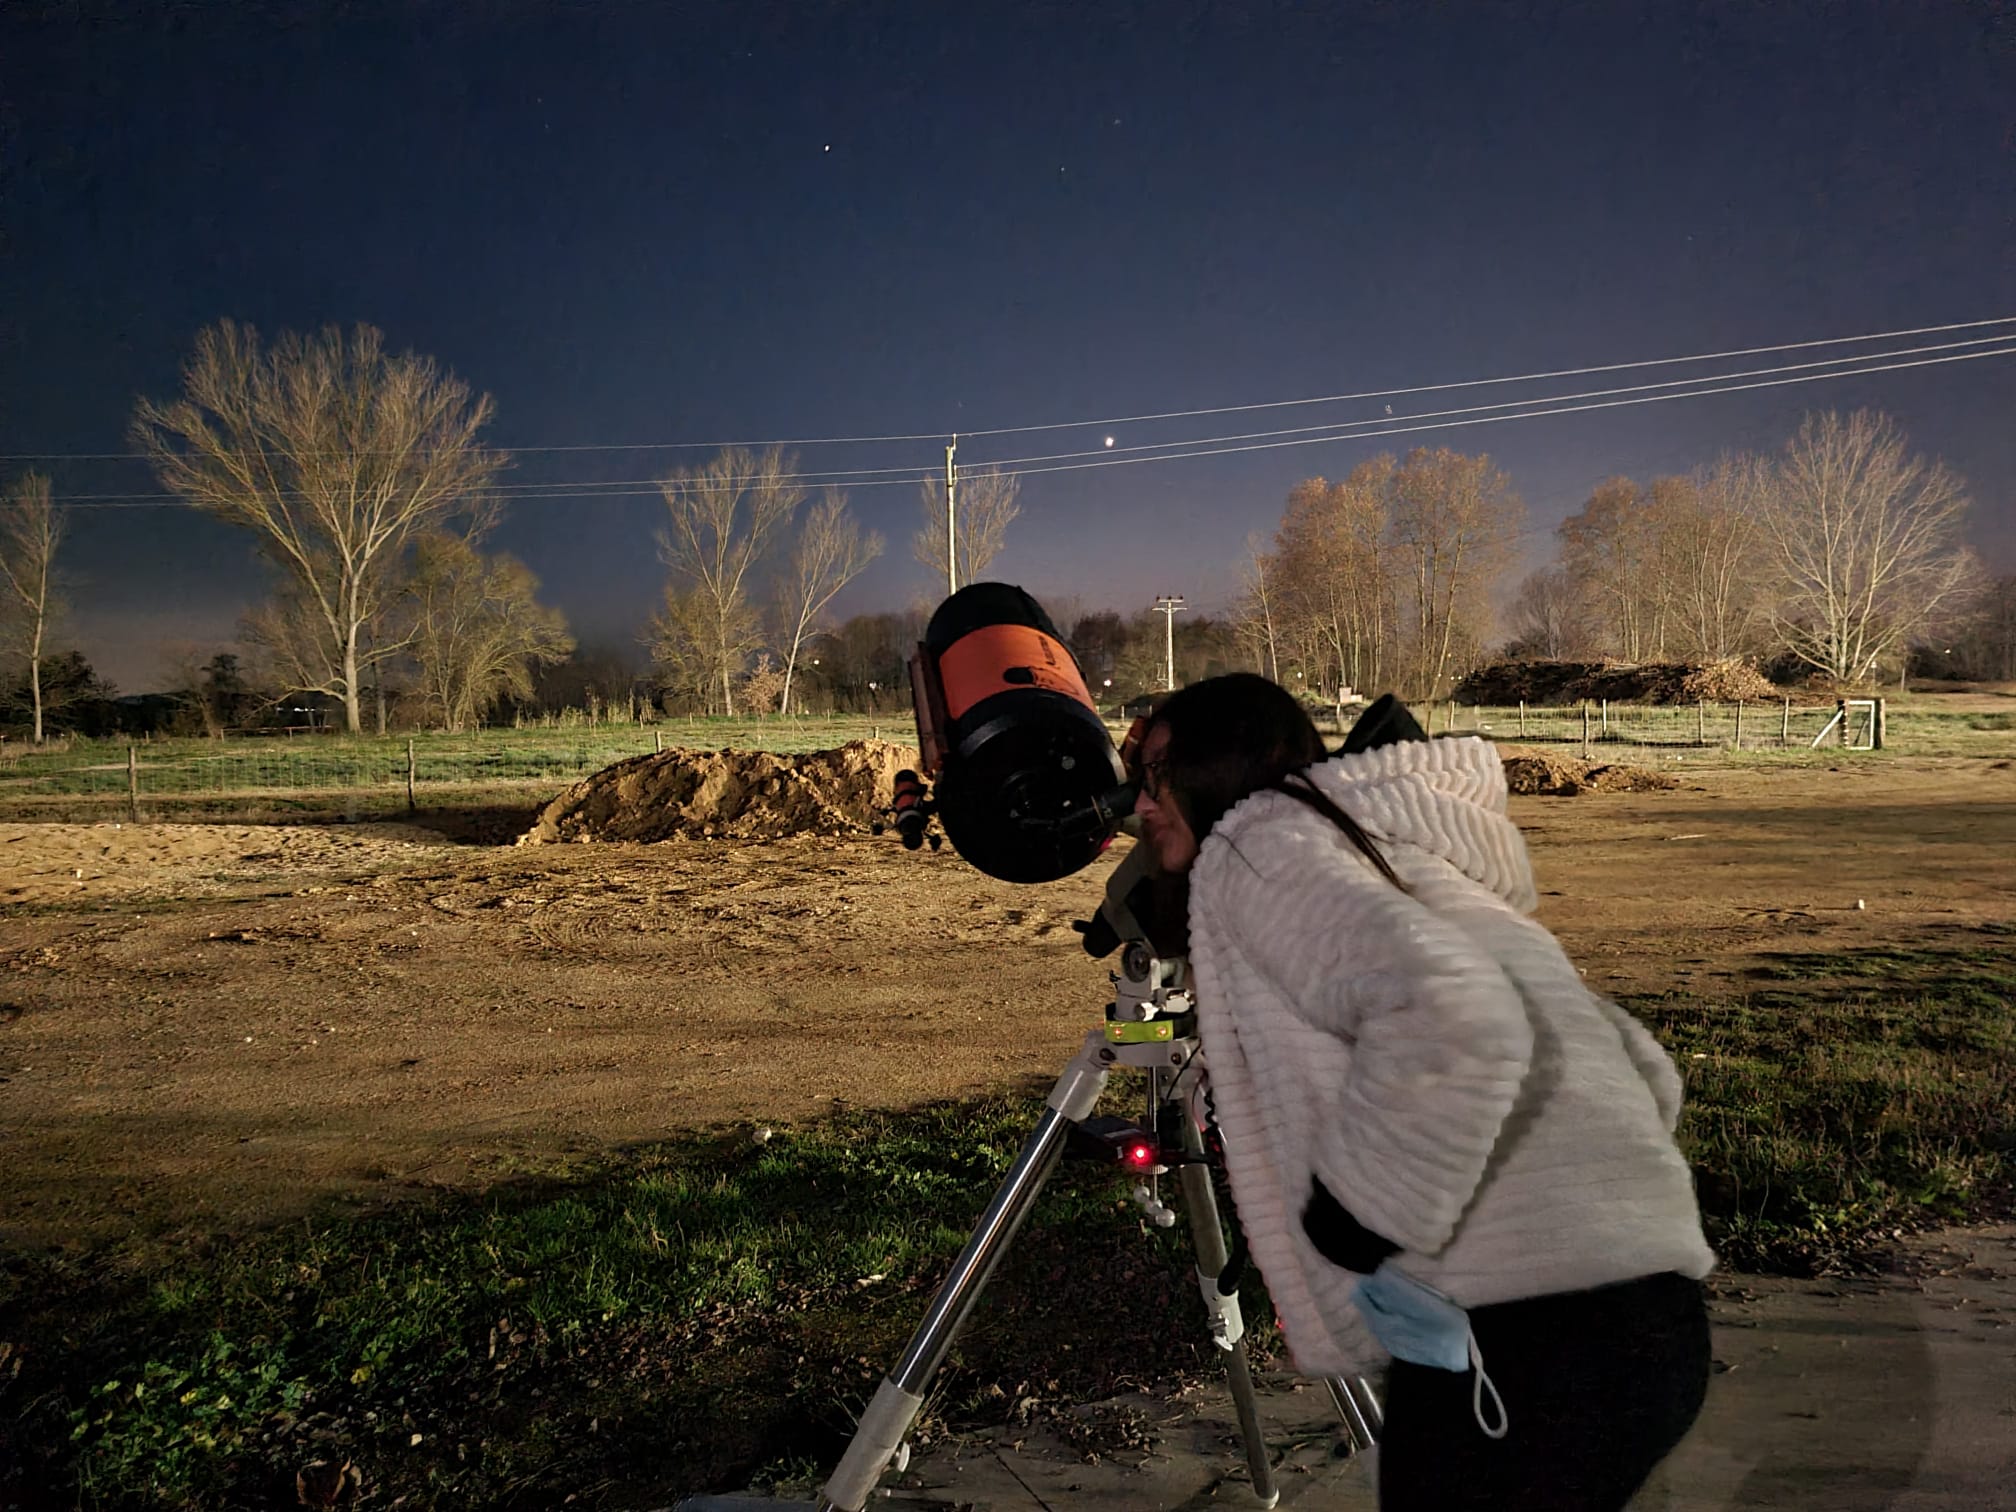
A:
{"x":743,"y":795}
{"x":1531,"y":771}
{"x":1567,"y":682}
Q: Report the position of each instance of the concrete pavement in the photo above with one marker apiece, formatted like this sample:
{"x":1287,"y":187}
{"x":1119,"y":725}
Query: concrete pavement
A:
{"x":1895,"y":1393}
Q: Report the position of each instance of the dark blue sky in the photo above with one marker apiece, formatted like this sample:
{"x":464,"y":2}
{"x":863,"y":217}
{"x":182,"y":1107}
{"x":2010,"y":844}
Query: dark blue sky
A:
{"x":638,"y":224}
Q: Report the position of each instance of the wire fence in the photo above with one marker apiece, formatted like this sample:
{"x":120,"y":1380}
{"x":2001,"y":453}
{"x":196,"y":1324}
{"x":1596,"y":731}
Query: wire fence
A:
{"x":309,"y":774}
{"x":321,"y":776}
{"x":1647,"y":732}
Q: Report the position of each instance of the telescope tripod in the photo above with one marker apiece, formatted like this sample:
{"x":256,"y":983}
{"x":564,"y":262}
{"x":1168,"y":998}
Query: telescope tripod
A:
{"x":1149,"y":1027}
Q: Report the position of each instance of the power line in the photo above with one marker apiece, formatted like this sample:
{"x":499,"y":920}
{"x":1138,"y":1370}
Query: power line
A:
{"x":625,"y":487}
{"x":1534,"y":409}
{"x":1336,"y":425}
{"x":1538,"y":414}
{"x":1431,"y":388}
{"x":1223,"y":409}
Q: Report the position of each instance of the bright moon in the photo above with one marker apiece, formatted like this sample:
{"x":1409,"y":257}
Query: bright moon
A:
{"x":1109,"y":440}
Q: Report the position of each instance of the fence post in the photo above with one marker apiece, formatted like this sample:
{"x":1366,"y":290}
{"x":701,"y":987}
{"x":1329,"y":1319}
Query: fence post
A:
{"x":1785,"y":725}
{"x":410,"y":774}
{"x":1739,"y":724}
{"x":1606,"y":719}
{"x":1585,"y":729}
{"x":132,"y":782}
{"x":658,"y":740}
{"x":1700,"y":721}
{"x":1522,"y":719}
{"x":1882,"y":720}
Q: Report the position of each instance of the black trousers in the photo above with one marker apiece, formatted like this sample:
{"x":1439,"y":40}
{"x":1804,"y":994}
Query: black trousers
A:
{"x":1598,"y":1387}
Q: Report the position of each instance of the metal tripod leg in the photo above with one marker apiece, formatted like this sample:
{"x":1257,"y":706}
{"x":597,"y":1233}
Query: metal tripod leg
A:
{"x":1358,"y":1406}
{"x":896,"y":1402}
{"x":1228,"y":1327}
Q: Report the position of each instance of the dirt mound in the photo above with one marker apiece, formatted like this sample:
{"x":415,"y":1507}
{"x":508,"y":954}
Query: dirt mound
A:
{"x":744,"y":795}
{"x":1567,"y":682}
{"x":1530,"y":771}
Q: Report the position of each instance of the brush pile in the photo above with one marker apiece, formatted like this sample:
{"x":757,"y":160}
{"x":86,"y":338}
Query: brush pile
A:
{"x":1544,"y":684}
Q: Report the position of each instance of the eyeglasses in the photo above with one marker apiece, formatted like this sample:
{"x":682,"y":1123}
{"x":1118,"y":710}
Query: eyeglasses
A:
{"x":1153,"y":779}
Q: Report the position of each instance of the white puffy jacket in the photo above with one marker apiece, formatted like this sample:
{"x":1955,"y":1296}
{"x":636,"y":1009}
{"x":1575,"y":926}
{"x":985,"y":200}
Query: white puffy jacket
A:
{"x":1435,"y":1058}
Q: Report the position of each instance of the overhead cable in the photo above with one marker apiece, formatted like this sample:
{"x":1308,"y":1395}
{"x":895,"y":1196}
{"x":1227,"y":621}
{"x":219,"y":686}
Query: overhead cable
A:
{"x":1222,"y":409}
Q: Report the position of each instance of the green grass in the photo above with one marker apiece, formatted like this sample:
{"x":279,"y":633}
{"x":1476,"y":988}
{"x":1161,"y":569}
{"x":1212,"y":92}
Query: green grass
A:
{"x":1848,"y":1098}
{"x":704,"y":1312}
{"x":680,"y":1318}
{"x":319,"y":776}
{"x":1918,"y":725}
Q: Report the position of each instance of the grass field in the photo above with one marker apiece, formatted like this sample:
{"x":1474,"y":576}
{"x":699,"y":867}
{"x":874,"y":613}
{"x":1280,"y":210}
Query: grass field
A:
{"x":707,"y":1310}
{"x":325,"y":776}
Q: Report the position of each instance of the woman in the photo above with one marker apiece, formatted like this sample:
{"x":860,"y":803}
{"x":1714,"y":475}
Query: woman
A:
{"x":1437,"y":1137}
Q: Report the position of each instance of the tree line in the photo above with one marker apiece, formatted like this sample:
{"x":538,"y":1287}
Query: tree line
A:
{"x":1838,"y":558}
{"x":363,"y":476}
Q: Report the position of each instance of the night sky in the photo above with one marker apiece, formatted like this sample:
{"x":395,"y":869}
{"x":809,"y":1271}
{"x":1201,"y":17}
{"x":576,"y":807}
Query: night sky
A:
{"x":644,"y":224}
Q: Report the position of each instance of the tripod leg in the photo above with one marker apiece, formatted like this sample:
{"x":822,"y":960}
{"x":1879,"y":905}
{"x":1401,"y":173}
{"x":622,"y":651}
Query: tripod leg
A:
{"x":1358,"y":1406}
{"x":1369,"y":1401}
{"x":1228,"y":1327}
{"x":896,"y":1402}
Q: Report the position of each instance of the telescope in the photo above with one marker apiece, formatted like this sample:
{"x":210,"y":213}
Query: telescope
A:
{"x":1020,"y":772}
{"x":1018,"y":768}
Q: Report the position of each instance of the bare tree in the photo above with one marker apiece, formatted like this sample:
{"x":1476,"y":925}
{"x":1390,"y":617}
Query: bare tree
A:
{"x":31,"y":531}
{"x":829,"y":554}
{"x":1867,"y":538}
{"x":1550,"y":618}
{"x":723,"y":516}
{"x":1254,"y":615}
{"x":1982,"y":644}
{"x":1334,"y":574}
{"x":183,"y":665}
{"x":1455,"y":519}
{"x":870,"y":652}
{"x":683,"y":657}
{"x":475,"y":629}
{"x":988,"y":502}
{"x":1097,"y":641}
{"x":337,"y":455}
{"x":1611,"y":549}
{"x":1714,"y":586}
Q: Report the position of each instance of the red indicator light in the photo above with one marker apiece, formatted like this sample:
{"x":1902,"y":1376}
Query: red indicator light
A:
{"x":1141,"y":1154}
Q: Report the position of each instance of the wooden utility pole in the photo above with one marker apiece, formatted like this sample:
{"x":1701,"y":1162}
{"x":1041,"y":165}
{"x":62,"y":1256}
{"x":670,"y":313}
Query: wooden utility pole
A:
{"x":951,"y":517}
{"x":1167,"y":606}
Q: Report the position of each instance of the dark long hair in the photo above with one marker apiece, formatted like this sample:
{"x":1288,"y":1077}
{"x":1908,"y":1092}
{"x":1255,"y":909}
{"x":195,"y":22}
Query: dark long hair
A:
{"x":1233,"y":736}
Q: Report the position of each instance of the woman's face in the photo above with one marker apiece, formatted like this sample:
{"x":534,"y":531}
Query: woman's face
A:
{"x":1164,"y":830}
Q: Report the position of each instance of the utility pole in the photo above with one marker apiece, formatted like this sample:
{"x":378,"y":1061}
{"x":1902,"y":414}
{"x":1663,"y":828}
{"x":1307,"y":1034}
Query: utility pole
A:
{"x":1166,"y":606}
{"x":951,"y":518}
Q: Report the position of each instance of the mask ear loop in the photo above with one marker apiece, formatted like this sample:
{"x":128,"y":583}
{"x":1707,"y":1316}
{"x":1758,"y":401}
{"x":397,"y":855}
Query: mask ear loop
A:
{"x":1484,"y":1383}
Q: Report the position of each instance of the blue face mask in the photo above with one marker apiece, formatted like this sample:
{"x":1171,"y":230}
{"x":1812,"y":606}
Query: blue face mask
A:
{"x":1418,"y":1324}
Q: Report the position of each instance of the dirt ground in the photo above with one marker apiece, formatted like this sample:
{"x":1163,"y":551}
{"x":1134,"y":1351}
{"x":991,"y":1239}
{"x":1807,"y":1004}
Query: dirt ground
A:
{"x":205,"y":1027}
